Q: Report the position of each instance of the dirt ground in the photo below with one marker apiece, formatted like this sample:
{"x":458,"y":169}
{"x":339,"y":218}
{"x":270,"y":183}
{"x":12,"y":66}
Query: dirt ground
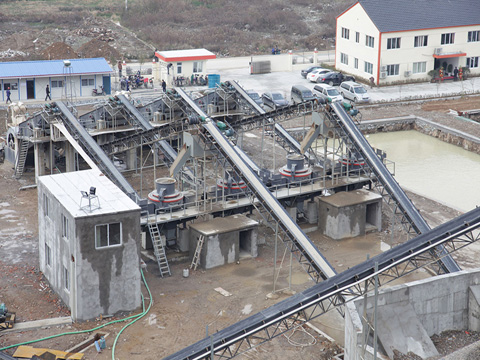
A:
{"x":184,"y":308}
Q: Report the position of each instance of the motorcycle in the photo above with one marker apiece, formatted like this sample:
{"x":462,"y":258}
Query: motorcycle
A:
{"x":100,"y":91}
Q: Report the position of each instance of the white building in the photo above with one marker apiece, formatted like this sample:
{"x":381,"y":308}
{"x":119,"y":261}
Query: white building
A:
{"x":184,"y":63}
{"x":393,"y":41}
{"x":28,"y":79}
{"x":89,"y":243}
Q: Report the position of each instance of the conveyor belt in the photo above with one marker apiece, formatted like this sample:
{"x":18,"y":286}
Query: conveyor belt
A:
{"x":144,"y":124}
{"x":353,"y":278}
{"x":95,"y":151}
{"x":303,"y":243}
{"x":387,"y":180}
{"x":247,"y":97}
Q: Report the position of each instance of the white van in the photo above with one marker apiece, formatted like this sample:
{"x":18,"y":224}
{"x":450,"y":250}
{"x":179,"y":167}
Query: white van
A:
{"x":354,"y":91}
{"x":327,"y":92}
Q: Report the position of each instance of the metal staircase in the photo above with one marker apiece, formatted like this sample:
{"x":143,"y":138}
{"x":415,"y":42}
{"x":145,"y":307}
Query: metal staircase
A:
{"x":159,"y":249}
{"x":21,"y":158}
{"x":198,"y":250}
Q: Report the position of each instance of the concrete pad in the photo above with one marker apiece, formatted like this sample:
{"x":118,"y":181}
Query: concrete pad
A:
{"x":30,"y":325}
{"x":399,"y":329}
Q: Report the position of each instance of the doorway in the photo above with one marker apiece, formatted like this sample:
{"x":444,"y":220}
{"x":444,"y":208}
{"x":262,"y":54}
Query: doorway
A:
{"x":30,"y":89}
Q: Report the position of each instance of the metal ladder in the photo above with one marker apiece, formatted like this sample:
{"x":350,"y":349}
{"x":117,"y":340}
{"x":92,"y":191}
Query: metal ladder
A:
{"x":198,"y":250}
{"x":22,"y":157}
{"x":159,"y":249}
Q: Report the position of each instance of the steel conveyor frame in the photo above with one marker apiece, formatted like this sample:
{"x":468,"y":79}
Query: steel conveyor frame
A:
{"x":322,"y":297}
{"x":406,"y":207}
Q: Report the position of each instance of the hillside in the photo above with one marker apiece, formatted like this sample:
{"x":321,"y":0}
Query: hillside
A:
{"x":226,"y":27}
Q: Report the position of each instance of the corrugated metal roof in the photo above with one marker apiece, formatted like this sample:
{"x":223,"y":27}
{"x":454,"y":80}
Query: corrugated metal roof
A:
{"x":66,"y":188}
{"x":401,"y":15}
{"x":22,"y":69}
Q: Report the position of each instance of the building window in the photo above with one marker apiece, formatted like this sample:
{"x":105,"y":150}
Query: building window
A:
{"x":392,"y":70}
{"x":448,"y":38}
{"x":57,"y":83}
{"x":108,"y":235}
{"x":355,"y":63}
{"x":344,"y":58}
{"x":345,"y":33}
{"x":369,"y":41}
{"x":48,"y":255}
{"x":393,"y":43}
{"x":197,"y":66}
{"x":473,"y":36}
{"x":64,"y":226}
{"x":421,"y":41}
{"x":472,"y":62}
{"x":46,"y":204}
{"x":88,"y":82}
{"x":368,"y":67}
{"x":357,"y":37}
{"x":419,"y":67}
{"x":66,"y":278}
{"x":179,"y":68}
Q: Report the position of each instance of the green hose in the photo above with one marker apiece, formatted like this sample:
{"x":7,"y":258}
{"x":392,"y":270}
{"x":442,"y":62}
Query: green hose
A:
{"x":138,"y":316}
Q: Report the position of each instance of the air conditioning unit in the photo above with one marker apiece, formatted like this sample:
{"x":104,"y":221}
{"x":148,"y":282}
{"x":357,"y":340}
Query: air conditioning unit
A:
{"x":438,"y":51}
{"x":383,"y":74}
{"x":383,"y":68}
{"x":408,"y":73}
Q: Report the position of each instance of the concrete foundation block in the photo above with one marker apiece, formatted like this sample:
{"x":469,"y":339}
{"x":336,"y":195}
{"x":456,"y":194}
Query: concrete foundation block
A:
{"x":474,"y":308}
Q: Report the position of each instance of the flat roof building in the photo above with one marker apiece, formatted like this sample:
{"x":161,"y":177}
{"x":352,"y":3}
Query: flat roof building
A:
{"x":75,"y":77}
{"x":89,"y":243}
{"x":184,"y":63}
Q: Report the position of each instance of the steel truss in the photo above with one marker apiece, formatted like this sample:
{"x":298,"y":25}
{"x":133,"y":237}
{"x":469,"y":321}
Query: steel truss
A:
{"x":336,"y":291}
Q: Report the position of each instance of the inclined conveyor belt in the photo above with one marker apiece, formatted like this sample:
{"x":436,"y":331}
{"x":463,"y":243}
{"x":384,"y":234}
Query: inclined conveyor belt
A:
{"x":387,"y":180}
{"x":338,"y":284}
{"x":96,"y":152}
{"x":247,"y":97}
{"x":269,"y":201}
{"x":264,"y":195}
{"x":133,"y":110}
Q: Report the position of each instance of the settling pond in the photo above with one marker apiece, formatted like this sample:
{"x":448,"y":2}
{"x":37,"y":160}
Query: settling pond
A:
{"x":432,"y":168}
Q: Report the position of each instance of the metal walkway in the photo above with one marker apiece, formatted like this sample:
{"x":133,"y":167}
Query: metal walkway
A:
{"x":405,"y":206}
{"x":317,"y":265}
{"x":324,"y":296}
{"x":95,"y":152}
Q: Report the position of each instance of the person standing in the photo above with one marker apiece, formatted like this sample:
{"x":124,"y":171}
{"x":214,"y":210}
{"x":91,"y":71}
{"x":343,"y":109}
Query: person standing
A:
{"x":120,"y":69}
{"x":455,"y":74}
{"x":47,"y":92}
{"x":164,"y":86}
{"x":8,"y":96}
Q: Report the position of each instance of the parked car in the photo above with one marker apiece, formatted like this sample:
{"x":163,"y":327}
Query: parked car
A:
{"x":354,"y":91}
{"x":304,"y":72}
{"x":300,"y":93}
{"x":274,"y":99}
{"x":315,"y":74}
{"x":254,"y":95}
{"x":334,"y":78}
{"x":327,"y":92}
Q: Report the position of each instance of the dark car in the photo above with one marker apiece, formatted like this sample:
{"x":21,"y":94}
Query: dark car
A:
{"x":274,"y":100}
{"x":305,"y":72}
{"x":254,"y":95}
{"x":334,"y":78}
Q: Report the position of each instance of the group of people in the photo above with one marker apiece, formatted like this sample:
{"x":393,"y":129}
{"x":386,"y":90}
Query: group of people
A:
{"x":194,"y":80}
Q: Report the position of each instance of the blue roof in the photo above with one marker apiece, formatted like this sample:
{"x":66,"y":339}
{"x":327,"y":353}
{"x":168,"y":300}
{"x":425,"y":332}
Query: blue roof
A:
{"x":22,"y":69}
{"x":402,"y":15}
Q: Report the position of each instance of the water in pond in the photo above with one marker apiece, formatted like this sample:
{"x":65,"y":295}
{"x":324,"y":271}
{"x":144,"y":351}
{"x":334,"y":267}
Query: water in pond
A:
{"x":432,"y":168}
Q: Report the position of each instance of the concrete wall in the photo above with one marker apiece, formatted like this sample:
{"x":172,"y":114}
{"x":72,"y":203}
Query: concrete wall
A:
{"x":108,"y":279}
{"x":440,"y":303}
{"x":50,"y":233}
{"x":341,"y":223}
{"x":218,"y":250}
